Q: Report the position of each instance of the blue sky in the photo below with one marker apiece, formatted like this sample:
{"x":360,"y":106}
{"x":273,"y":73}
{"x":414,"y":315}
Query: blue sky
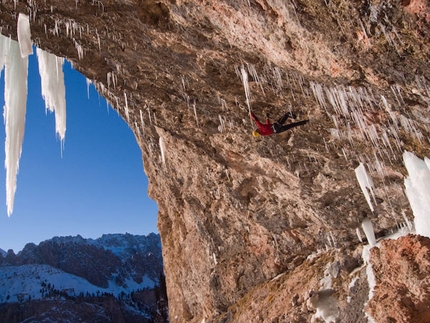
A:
{"x":98,"y":184}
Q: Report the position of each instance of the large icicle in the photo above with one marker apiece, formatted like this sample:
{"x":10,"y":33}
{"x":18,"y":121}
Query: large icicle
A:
{"x":53,"y":88}
{"x":365,"y":183}
{"x":14,"y":117}
{"x":244,"y":75}
{"x":24,"y":35}
{"x":418,"y":191}
{"x":369,"y":231}
{"x":4,"y":50}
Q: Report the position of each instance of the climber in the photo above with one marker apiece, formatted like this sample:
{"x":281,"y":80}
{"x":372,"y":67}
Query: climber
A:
{"x":267,"y":129}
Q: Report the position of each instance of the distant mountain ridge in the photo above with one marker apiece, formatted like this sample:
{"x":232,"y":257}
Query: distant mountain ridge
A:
{"x":120,"y":269}
{"x":130,"y":257}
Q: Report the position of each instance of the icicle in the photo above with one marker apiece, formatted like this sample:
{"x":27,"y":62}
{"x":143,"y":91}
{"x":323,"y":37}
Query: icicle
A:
{"x":183,"y":83}
{"x":161,"y":143}
{"x":330,"y":242}
{"x":4,"y":50}
{"x":24,"y":35}
{"x":14,"y":115}
{"x":223,"y":104}
{"x":255,"y":76}
{"x":364,"y":29}
{"x":344,"y":154}
{"x":79,"y":49}
{"x":137,"y":129}
{"x":278,"y":79}
{"x":53,"y":88}
{"x":386,"y":140}
{"x":228,"y":174}
{"x":195,"y":113}
{"x":408,"y":223}
{"x":332,"y":239}
{"x":326,"y":146}
{"x":395,"y":95}
{"x":372,"y":133}
{"x":149,"y":115}
{"x":409,"y":127}
{"x":221,"y":127}
{"x":357,"y":230}
{"x":141,"y":119}
{"x":67,"y":28}
{"x":98,"y":41}
{"x":126,"y":107}
{"x":215,"y":262}
{"x":246,"y":86}
{"x":75,"y":27}
{"x":88,"y":88}
{"x":365,"y":183}
{"x":417,"y":186}
{"x":291,"y":87}
{"x":319,"y":94}
{"x":368,"y":230}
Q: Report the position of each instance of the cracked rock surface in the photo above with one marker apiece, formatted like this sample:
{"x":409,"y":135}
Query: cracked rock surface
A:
{"x":261,"y":229}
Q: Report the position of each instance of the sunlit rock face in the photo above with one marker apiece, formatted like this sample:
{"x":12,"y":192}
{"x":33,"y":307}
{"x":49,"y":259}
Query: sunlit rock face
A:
{"x":259,"y":229}
{"x":401,"y":270}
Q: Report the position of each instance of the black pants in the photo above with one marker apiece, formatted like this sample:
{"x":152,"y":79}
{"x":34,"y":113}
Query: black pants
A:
{"x":279,"y":126}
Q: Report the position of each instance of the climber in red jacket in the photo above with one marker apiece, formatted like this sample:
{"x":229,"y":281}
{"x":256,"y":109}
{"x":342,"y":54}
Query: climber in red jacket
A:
{"x":267,"y":129}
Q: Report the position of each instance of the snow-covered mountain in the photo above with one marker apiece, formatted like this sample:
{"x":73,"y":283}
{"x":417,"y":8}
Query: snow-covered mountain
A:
{"x":125,"y":269}
{"x":122,"y":261}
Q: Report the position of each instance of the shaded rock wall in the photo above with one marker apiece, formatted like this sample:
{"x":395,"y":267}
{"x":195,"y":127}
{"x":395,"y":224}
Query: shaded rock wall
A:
{"x":235,"y":212}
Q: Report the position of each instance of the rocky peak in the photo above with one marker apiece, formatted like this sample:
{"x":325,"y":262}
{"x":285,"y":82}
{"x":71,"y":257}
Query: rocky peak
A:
{"x":250,"y":222}
{"x":130,"y":257}
{"x":86,"y":280}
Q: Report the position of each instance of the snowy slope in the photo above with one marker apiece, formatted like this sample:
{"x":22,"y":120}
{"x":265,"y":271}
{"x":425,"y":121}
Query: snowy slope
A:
{"x":72,"y":266}
{"x":21,"y":283}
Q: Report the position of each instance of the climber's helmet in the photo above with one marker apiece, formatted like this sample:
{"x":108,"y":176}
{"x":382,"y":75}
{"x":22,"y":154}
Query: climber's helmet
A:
{"x":256,"y":133}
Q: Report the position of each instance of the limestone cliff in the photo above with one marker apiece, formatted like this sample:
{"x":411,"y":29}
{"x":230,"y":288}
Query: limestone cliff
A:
{"x":259,"y":230}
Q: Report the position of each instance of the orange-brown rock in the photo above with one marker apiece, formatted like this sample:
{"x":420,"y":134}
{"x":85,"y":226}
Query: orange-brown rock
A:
{"x":235,"y":212}
{"x":402,"y":292}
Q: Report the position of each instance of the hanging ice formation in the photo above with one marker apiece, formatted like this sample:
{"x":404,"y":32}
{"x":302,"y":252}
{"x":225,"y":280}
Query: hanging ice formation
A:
{"x":365,"y":183}
{"x":418,"y":191}
{"x":53,"y":89}
{"x":16,"y":66}
{"x":14,"y":57}
{"x":24,"y":36}
{"x":368,"y":230}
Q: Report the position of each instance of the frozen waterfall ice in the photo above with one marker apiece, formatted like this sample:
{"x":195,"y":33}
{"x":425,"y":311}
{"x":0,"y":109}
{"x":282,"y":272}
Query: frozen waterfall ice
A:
{"x":365,"y":183}
{"x":417,"y":186}
{"x":369,"y":231}
{"x":14,"y":57}
{"x":15,"y":92}
{"x":53,"y":88}
{"x":4,"y":50}
{"x":24,"y":35}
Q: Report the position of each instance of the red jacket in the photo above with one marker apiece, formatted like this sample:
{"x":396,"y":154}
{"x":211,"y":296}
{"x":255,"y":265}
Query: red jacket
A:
{"x":265,"y":129}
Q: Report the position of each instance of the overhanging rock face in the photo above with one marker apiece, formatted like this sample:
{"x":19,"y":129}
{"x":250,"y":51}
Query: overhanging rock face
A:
{"x":260,"y":230}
